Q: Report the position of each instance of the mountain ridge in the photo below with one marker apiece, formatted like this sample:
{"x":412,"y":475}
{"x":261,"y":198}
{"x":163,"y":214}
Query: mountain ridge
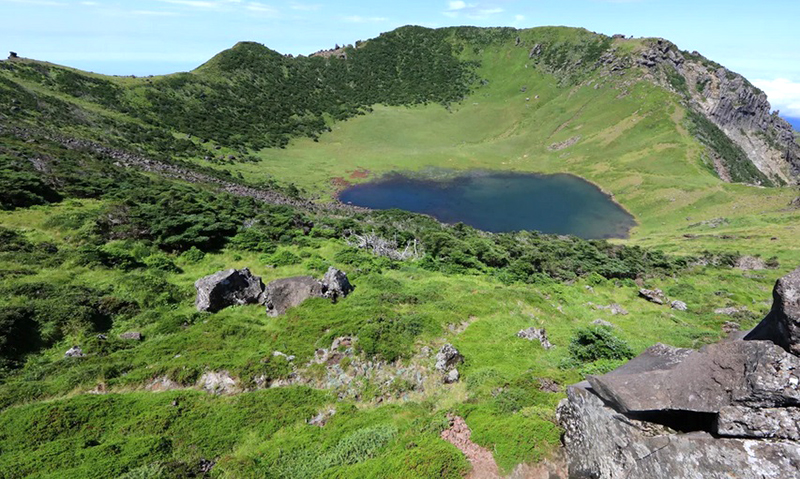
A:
{"x":751,"y":133}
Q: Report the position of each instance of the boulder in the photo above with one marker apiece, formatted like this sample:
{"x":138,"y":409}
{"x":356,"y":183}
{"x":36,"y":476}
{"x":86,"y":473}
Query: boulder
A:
{"x":774,"y":423}
{"x":728,"y":408}
{"x":782,"y":324}
{"x":664,"y":378}
{"x":447,"y":358}
{"x":74,"y":352}
{"x":535,"y":334}
{"x":227,"y":288}
{"x":451,"y":376}
{"x":282,"y":294}
{"x":322,"y":418}
{"x":603,"y":322}
{"x":131,"y":335}
{"x":679,"y":305}
{"x":218,"y":382}
{"x":653,"y":295}
{"x":602,"y":443}
{"x":335,"y":284}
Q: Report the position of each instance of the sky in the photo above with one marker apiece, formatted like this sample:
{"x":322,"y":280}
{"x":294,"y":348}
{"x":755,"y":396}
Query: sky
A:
{"x":758,"y":39}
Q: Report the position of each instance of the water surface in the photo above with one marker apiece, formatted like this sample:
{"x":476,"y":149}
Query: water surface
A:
{"x":501,"y":202}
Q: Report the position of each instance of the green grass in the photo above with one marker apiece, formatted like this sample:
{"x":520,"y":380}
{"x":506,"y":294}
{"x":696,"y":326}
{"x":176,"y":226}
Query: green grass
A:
{"x":635,"y":143}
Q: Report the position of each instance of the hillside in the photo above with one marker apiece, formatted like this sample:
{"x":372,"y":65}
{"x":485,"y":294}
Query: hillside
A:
{"x":118,"y":193}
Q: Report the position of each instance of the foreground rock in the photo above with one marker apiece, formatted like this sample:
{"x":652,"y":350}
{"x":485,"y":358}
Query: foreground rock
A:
{"x":227,"y":288}
{"x":782,"y":324}
{"x":238,"y":287}
{"x":727,"y":410}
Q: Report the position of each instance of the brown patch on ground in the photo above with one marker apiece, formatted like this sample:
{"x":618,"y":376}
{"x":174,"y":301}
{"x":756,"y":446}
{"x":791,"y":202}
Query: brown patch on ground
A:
{"x":483,"y":464}
{"x":339,"y":183}
{"x":359,"y":173}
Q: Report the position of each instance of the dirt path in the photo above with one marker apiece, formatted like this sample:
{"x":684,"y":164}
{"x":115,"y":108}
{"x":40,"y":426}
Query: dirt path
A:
{"x":483,"y":464}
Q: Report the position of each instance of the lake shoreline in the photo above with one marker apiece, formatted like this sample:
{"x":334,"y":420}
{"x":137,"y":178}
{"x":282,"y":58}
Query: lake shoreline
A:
{"x":430,"y":190}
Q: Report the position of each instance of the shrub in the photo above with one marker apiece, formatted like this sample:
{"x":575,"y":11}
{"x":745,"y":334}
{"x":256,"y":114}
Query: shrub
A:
{"x":598,"y":342}
{"x":281,"y":258}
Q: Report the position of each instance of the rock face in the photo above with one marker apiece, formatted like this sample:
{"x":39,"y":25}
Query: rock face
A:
{"x":238,"y":287}
{"x":782,"y":324}
{"x":447,"y":358}
{"x":730,"y":102}
{"x":227,"y":288}
{"x":335,"y":284}
{"x":282,"y":294}
{"x":728,"y":409}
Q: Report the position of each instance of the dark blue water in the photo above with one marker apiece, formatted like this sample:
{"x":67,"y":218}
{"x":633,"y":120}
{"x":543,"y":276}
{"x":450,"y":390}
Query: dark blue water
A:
{"x":795,"y":122}
{"x":500,"y":202}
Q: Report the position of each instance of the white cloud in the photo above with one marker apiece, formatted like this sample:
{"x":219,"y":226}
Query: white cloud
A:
{"x":474,"y":11}
{"x":303,"y":7}
{"x":360,"y":19}
{"x":155,"y":13}
{"x":260,"y":7}
{"x":783,"y":94}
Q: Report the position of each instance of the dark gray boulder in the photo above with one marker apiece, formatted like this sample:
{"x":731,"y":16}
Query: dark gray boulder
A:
{"x":782,"y":324}
{"x":228,"y":288}
{"x":756,"y":373}
{"x":282,"y":294}
{"x":775,"y":423}
{"x":727,"y":409}
{"x":602,"y":443}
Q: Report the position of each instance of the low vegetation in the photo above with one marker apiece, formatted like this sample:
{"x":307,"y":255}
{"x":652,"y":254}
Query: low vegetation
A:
{"x":91,"y":249}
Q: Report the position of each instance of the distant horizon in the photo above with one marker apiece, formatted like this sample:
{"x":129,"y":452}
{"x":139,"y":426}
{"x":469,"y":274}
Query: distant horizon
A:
{"x":154,"y":37}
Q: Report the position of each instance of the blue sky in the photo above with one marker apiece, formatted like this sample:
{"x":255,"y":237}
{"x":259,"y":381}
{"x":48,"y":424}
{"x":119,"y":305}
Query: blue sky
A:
{"x":758,"y":39}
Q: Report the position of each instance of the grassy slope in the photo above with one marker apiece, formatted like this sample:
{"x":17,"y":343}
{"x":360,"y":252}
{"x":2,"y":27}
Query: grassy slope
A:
{"x":634,"y":147}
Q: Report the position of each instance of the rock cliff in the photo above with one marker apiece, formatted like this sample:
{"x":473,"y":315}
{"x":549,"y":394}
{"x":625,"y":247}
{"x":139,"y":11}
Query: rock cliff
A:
{"x":732,"y":104}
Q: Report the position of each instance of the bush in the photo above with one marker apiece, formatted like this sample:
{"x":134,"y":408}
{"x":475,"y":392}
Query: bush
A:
{"x":598,"y":342}
{"x":281,"y":258}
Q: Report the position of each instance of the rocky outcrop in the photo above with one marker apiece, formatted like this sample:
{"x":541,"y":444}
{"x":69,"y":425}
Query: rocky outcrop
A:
{"x":730,"y":102}
{"x":227,"y":288}
{"x":447,"y":359}
{"x":728,"y":408}
{"x":218,"y":382}
{"x":335,"y":284}
{"x":782,"y":324}
{"x":653,"y":295}
{"x":238,"y":287}
{"x":538,"y":334}
{"x":282,"y":294}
